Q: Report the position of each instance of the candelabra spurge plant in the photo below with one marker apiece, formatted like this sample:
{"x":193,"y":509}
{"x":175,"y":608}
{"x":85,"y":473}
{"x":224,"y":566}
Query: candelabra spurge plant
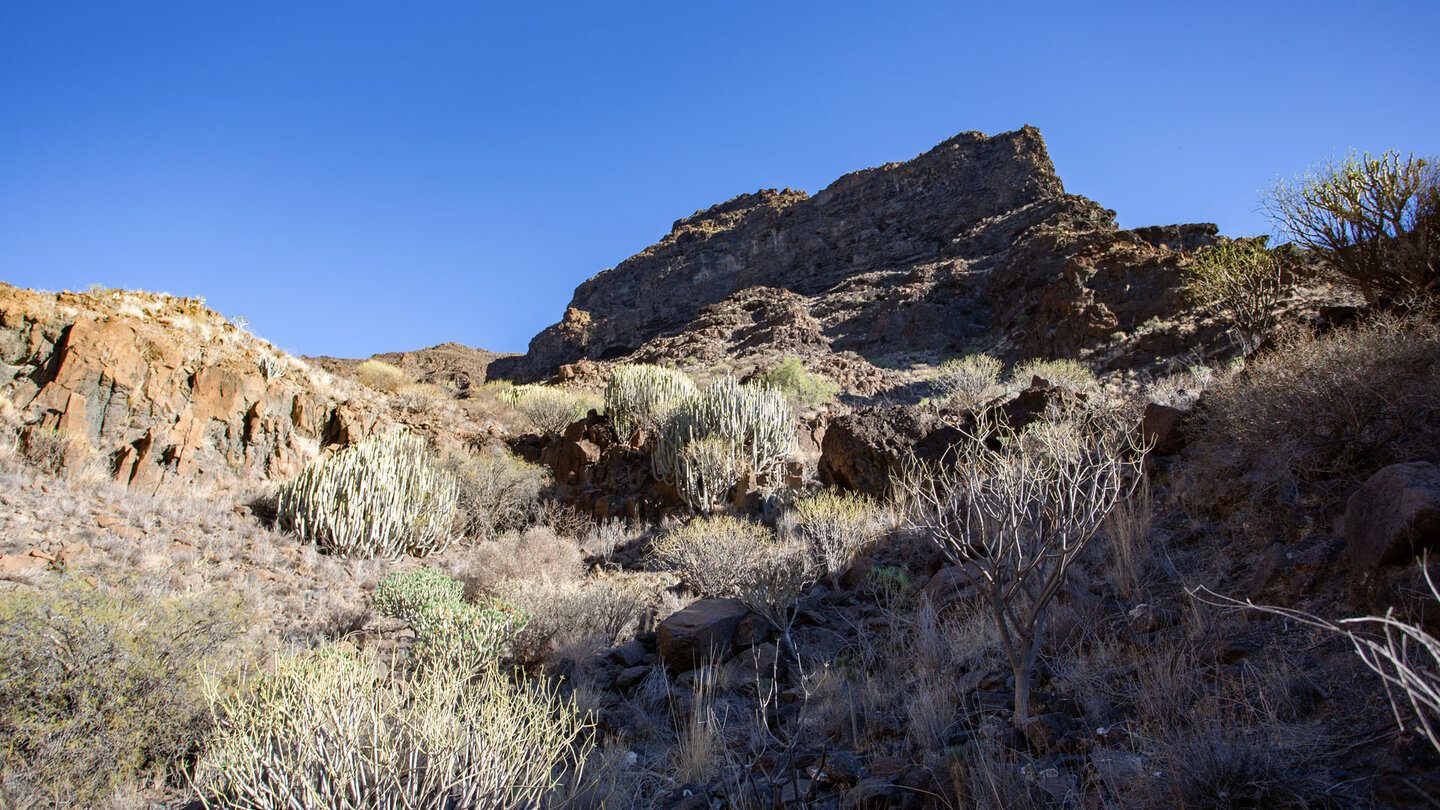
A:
{"x":639,"y":397}
{"x":755,"y":421}
{"x":383,"y":497}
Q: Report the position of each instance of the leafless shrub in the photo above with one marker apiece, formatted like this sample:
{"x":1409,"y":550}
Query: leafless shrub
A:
{"x":536,"y":554}
{"x":1016,"y":518}
{"x":598,"y":610}
{"x":54,"y":451}
{"x":499,"y":492}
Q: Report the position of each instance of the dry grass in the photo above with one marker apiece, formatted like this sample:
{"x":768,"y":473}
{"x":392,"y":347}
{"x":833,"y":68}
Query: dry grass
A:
{"x":566,"y":613}
{"x":537,"y":554}
{"x":1303,"y":423}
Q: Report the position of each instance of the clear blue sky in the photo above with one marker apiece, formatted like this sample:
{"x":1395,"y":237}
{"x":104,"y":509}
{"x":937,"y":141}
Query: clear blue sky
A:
{"x":356,"y":177}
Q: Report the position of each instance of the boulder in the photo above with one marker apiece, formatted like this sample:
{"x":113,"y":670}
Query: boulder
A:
{"x":701,"y":632}
{"x":1163,"y":427}
{"x":862,"y":450}
{"x":1394,"y":516}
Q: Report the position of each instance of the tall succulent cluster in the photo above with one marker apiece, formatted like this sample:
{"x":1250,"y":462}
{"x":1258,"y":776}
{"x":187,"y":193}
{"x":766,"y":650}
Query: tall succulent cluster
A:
{"x":639,"y":397}
{"x":383,"y":497}
{"x":756,"y":422}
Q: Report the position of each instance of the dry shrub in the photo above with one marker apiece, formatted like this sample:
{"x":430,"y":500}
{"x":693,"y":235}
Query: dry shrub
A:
{"x":54,"y":451}
{"x":1320,"y":413}
{"x":839,"y":525}
{"x":421,"y":397}
{"x":499,"y":491}
{"x":571,"y":612}
{"x":380,"y":375}
{"x":562,"y":518}
{"x":538,"y":553}
{"x":551,"y":409}
{"x":102,"y":688}
{"x":968,"y":381}
{"x":713,"y":555}
{"x":338,"y":730}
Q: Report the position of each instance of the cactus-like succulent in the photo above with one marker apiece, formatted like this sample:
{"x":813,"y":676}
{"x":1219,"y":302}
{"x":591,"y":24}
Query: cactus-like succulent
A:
{"x":639,"y":397}
{"x":755,"y":420}
{"x":383,"y":497}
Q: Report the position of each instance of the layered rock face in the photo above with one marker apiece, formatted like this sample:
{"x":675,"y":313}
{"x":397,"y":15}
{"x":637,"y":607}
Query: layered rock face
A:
{"x":165,"y":390}
{"x":972,"y":244}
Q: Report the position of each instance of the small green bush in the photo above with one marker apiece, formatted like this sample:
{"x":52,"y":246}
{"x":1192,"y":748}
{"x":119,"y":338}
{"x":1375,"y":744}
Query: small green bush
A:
{"x":340,"y":731}
{"x":1069,"y":374}
{"x":639,"y":397}
{"x":383,"y":497}
{"x":971,"y":380}
{"x":800,"y":384}
{"x":445,"y":626}
{"x":713,"y":555}
{"x":101,"y":688}
{"x":1244,"y":280}
{"x":380,"y":375}
{"x":551,"y":409}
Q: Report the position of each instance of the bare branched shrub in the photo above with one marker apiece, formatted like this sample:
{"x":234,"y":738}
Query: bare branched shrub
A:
{"x":499,"y":491}
{"x":1402,"y":653}
{"x":1242,"y":279}
{"x":840,"y":526}
{"x":1318,"y":413}
{"x":380,"y":375}
{"x":778,"y":574}
{"x":604,"y":537}
{"x":102,"y":687}
{"x":420,"y":397}
{"x":1375,"y":220}
{"x":971,"y":380}
{"x":713,"y":555}
{"x":1016,"y":518}
{"x":566,"y":612}
{"x":337,"y":730}
{"x":54,"y":451}
{"x":538,"y":553}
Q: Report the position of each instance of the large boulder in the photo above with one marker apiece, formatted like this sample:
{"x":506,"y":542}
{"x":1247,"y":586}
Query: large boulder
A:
{"x":1393,"y":517}
{"x":863,"y":450}
{"x":701,"y":632}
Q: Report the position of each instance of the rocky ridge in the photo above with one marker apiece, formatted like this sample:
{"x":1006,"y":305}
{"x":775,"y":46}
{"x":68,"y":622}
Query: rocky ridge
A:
{"x":972,"y":245}
{"x":163,"y":390}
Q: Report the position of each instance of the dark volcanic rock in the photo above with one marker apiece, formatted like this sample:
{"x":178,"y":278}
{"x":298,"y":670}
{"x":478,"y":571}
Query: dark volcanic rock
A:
{"x":862,"y":450}
{"x":1392,"y":517}
{"x":701,"y":632}
{"x":973,"y":238}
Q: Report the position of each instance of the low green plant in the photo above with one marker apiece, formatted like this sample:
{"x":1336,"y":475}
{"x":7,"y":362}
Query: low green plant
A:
{"x":338,"y":730}
{"x":800,"y":384}
{"x":839,"y":525}
{"x":713,"y":555}
{"x":1072,"y":375}
{"x":101,"y":687}
{"x":971,"y":380}
{"x":550,"y":408}
{"x":380,"y":375}
{"x":445,"y":625}
{"x":386,"y":496}
{"x":639,"y":397}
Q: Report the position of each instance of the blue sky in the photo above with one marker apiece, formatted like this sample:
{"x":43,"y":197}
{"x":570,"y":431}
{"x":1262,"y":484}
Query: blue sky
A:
{"x":357,"y":177}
